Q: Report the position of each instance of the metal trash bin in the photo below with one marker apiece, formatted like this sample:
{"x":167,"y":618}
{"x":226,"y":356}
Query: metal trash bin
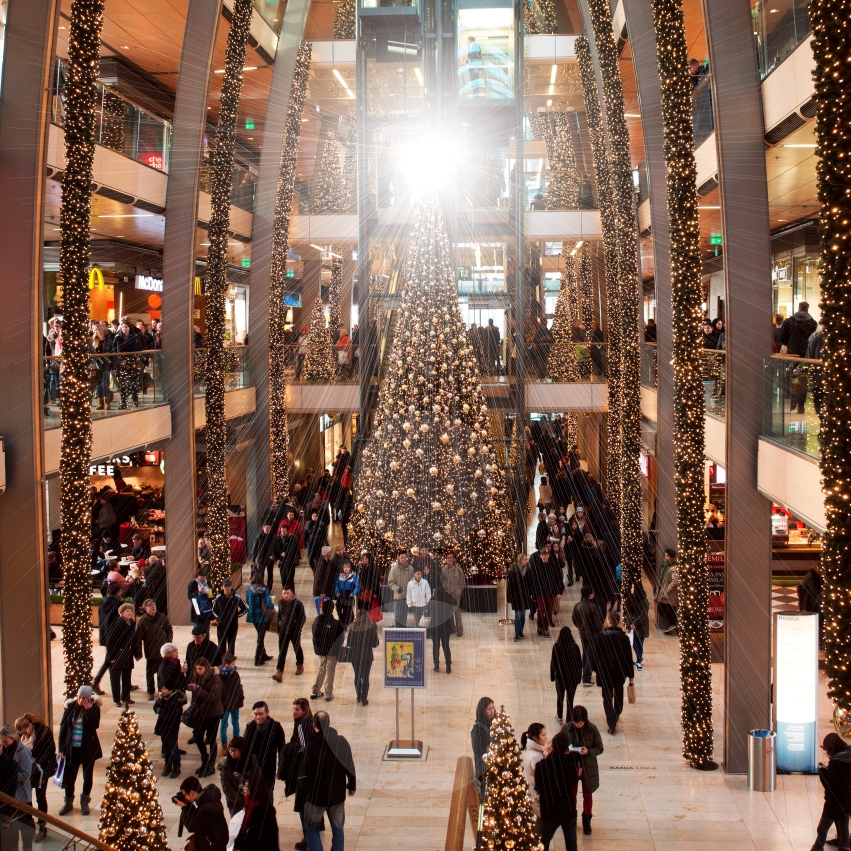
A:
{"x":762,"y":761}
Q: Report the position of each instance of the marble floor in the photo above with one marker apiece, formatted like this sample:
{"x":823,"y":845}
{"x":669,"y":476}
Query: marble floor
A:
{"x":648,"y":799}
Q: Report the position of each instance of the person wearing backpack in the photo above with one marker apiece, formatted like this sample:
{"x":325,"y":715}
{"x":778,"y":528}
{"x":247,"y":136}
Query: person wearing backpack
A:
{"x":260,"y":611}
{"x":233,"y":696}
{"x":38,"y":737}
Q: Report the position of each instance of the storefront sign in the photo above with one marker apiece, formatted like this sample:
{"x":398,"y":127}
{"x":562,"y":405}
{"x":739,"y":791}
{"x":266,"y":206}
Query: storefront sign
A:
{"x":96,"y":278}
{"x":796,"y":690}
{"x":715,"y":567}
{"x":404,"y":658}
{"x":153,"y":160}
{"x":148,"y":283}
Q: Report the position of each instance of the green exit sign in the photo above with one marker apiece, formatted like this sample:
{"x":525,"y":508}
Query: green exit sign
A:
{"x":290,"y":273}
{"x":249,"y":123}
{"x":716,"y":240}
{"x":246,"y":261}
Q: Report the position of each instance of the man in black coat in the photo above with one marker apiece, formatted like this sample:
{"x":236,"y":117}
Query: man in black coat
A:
{"x":795,"y":331}
{"x":289,"y":553}
{"x":266,"y":553}
{"x":201,"y":646}
{"x":265,"y":738}
{"x":555,"y":779}
{"x":291,"y":621}
{"x":203,"y":815}
{"x":327,"y":774}
{"x":547,"y":583}
{"x":156,"y":581}
{"x":611,"y":660}
{"x":108,"y":610}
{"x":228,"y":608}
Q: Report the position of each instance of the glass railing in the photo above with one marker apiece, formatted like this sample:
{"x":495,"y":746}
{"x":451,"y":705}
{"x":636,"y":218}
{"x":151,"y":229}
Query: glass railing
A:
{"x":18,"y":824}
{"x":117,"y":383}
{"x":537,"y":182}
{"x":703,"y":114}
{"x":779,"y":26}
{"x":793,"y":394}
{"x":119,"y":125}
{"x":235,"y":365}
{"x":272,"y":11}
{"x":591,"y":362}
{"x":243,"y":186}
{"x":649,"y":377}
{"x":715,"y":382}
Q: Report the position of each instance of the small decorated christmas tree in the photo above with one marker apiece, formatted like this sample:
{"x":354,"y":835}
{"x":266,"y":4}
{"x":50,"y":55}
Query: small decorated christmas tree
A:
{"x":130,"y":816}
{"x":562,"y":364}
{"x":320,"y":360}
{"x":326,"y":188}
{"x":509,"y":823}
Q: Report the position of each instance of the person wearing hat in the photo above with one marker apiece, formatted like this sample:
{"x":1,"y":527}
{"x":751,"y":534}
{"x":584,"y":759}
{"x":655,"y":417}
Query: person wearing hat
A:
{"x":152,"y":631}
{"x":228,"y":608}
{"x":201,"y":646}
{"x":238,"y":765}
{"x":79,"y":746}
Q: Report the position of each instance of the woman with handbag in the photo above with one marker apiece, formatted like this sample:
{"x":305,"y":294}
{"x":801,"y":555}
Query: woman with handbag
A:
{"x":565,"y":670}
{"x":260,"y":611}
{"x":363,"y":639}
{"x":636,"y":609}
{"x":585,"y":736}
{"x":206,"y":713}
{"x":38,"y":737}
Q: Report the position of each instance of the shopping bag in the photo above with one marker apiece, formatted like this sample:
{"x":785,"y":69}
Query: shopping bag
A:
{"x":345,"y":653}
{"x":60,"y":772}
{"x":234,"y":828}
{"x":375,"y":613}
{"x":630,"y":692}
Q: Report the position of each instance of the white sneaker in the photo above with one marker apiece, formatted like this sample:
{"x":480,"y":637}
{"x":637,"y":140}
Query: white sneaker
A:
{"x":638,"y":666}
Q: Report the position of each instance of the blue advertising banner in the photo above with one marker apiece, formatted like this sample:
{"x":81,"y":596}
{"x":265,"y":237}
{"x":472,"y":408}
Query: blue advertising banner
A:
{"x":404,"y":658}
{"x":796,"y":690}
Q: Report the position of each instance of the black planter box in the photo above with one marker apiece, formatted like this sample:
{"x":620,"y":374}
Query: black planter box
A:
{"x":479,"y":598}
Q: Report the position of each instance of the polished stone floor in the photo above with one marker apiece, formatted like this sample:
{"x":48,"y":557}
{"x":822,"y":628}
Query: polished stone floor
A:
{"x":648,"y":799}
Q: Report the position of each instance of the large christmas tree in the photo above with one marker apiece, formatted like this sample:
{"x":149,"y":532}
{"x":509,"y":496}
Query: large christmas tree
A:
{"x":320,"y":360}
{"x":509,"y":823}
{"x":431,"y":473}
{"x":131,"y":817}
{"x":563,"y":188}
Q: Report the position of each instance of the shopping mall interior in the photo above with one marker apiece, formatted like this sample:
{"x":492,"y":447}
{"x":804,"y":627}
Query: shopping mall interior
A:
{"x":456,"y":279}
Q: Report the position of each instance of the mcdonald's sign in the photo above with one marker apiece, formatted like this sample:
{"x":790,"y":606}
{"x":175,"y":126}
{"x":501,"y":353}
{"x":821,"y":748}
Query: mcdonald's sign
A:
{"x":95,"y":277}
{"x":199,"y":289}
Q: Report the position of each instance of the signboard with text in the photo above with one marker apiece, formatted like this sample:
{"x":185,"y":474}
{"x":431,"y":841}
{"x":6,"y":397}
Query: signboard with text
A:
{"x":796,"y":690}
{"x":715,"y":567}
{"x":404,"y":658}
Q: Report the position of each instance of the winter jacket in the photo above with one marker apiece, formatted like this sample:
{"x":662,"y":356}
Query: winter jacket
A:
{"x":289,"y":553}
{"x":453,"y":580}
{"x":327,"y":769}
{"x":587,"y":737}
{"x":266,"y":550}
{"x":418,"y":593}
{"x":566,"y":661}
{"x":668,"y":589}
{"x":370,"y":582}
{"x":291,"y":619}
{"x":169,"y":711}
{"x":636,"y":608}
{"x":193,"y":590}
{"x":546,"y":580}
{"x":233,"y":773}
{"x":346,"y":588}
{"x":90,"y":749}
{"x":120,"y":643}
{"x":171,"y":676}
{"x":809,"y":594}
{"x":588,"y":619}
{"x":23,"y":757}
{"x":108,"y":610}
{"x":480,"y":739}
{"x":206,"y":818}
{"x":233,"y":696}
{"x":156,"y":583}
{"x":43,"y":747}
{"x":795,"y":332}
{"x":266,"y":743}
{"x":207,"y":649}
{"x":227,"y":610}
{"x":398,"y":579}
{"x":815,"y":345}
{"x":442,"y":610}
{"x":257,"y":596}
{"x":532,"y":755}
{"x":208,"y":693}
{"x":611,"y":657}
{"x":259,"y":830}
{"x":327,"y":634}
{"x":555,"y":777}
{"x":836,"y":779}
{"x":519,"y":596}
{"x":324,"y":579}
{"x":151,"y":634}
{"x":362,"y":642}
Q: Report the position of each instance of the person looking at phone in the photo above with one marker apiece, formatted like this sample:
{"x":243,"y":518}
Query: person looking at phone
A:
{"x":586,"y":744}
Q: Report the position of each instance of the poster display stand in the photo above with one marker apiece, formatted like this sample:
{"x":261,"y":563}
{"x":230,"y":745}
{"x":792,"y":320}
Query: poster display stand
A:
{"x":404,"y":667}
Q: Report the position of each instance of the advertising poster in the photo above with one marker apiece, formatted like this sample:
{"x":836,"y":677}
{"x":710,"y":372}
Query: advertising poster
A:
{"x":796,"y":690}
{"x":404,"y":658}
{"x":715,"y":566}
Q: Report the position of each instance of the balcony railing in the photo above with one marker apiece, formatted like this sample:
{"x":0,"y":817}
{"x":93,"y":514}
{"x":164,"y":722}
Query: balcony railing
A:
{"x":715,"y":382}
{"x":793,"y":394}
{"x":703,"y":112}
{"x":243,"y":186}
{"x":779,"y":26}
{"x":649,"y":378}
{"x":236,"y":369}
{"x":119,"y":125}
{"x":117,"y":383}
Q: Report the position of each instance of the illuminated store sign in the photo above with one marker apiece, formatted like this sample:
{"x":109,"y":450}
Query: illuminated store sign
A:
{"x":151,"y":285}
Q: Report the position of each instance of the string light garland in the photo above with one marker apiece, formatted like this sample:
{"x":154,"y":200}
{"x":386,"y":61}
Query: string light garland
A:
{"x":629,"y":377}
{"x":508,"y":823}
{"x":80,"y":111}
{"x":218,"y":535}
{"x":326,"y":189}
{"x":335,"y":289}
{"x":831,"y":44}
{"x":431,"y":472}
{"x":320,"y":359}
{"x":687,"y":319}
{"x":344,"y":20}
{"x":563,"y":188}
{"x":349,"y":178}
{"x":131,"y":818}
{"x":586,"y":294}
{"x":279,"y":438}
{"x":602,"y":169}
{"x":540,"y":17}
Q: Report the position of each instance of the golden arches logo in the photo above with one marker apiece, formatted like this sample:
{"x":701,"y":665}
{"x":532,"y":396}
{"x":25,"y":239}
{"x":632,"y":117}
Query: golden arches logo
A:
{"x":95,"y":276}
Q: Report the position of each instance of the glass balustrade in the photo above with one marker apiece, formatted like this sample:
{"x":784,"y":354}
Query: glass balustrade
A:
{"x":792,"y":395}
{"x":235,"y":369}
{"x":779,"y":26}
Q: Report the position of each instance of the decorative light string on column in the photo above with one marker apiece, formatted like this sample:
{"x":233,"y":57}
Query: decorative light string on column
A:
{"x":623,"y":196}
{"x":563,"y":188}
{"x":344,"y":20}
{"x":279,"y":462}
{"x":602,"y":171}
{"x":335,"y":289}
{"x":687,"y":316}
{"x":80,"y":109}
{"x":320,"y":360}
{"x":831,"y":44}
{"x":218,"y":533}
{"x":325,"y":197}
